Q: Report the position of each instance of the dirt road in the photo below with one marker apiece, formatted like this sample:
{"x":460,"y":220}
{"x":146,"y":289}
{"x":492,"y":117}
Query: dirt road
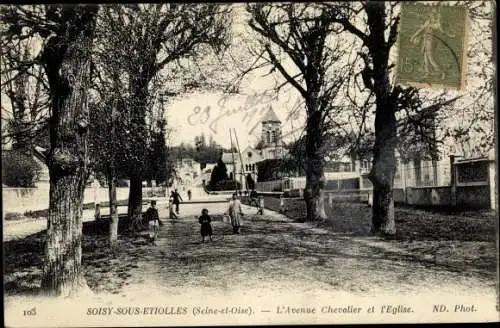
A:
{"x":274,"y":262}
{"x":275,"y":255}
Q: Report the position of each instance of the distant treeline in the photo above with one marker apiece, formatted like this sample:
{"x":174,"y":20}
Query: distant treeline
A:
{"x":202,"y":151}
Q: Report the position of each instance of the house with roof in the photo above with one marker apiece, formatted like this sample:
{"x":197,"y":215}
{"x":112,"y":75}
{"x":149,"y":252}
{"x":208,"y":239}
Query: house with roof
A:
{"x":188,"y":172}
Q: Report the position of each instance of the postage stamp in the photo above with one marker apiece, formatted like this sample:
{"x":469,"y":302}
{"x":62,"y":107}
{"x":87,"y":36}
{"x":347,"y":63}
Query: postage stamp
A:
{"x":432,"y":46}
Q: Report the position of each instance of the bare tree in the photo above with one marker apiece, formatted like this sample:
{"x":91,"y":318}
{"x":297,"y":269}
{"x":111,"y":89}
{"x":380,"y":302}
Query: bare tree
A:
{"x":67,"y":33}
{"x":149,"y":37}
{"x":405,"y":118}
{"x":25,"y":85}
{"x":303,"y":36}
{"x":109,"y":139}
{"x":377,"y":36}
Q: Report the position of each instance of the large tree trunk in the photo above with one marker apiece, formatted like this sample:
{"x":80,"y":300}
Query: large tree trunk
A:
{"x":384,"y":159}
{"x":63,"y":249}
{"x":382,"y":178}
{"x":140,"y":165}
{"x":313,"y":193}
{"x":113,"y":212}
{"x":135,"y":200}
{"x":67,"y":63}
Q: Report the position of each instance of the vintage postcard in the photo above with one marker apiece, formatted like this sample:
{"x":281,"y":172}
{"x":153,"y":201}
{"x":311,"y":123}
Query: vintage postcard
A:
{"x":200,"y":164}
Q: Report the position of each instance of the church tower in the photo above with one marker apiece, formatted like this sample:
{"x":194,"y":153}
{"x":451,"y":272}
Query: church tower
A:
{"x":271,"y":135}
{"x":271,"y":129}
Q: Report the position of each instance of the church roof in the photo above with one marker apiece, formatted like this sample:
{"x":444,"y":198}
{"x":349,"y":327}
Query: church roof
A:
{"x":271,"y":116}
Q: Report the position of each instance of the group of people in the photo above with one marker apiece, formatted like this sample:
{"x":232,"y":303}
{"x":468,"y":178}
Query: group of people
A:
{"x":234,"y":211}
{"x":151,"y":216}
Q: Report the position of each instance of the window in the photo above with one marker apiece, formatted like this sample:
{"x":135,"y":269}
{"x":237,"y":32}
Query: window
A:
{"x":273,"y":136}
{"x":268,"y":133}
{"x":249,"y":155}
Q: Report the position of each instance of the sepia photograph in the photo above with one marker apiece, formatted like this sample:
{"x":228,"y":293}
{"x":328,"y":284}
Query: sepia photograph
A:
{"x":202,"y":164}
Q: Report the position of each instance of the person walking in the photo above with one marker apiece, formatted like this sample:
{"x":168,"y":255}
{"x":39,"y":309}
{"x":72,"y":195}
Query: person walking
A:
{"x":177,"y":199}
{"x":171,"y":211}
{"x":154,"y":222}
{"x":189,"y":194}
{"x":235,"y":212}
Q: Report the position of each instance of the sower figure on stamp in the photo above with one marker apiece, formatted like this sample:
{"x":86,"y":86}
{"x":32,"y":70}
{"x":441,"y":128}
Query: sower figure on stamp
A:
{"x":235,"y":212}
{"x":424,"y":37}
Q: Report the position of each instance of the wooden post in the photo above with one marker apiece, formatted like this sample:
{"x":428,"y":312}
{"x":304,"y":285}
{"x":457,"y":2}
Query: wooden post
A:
{"x":241,"y":161}
{"x":453,"y":181}
{"x":261,"y":205}
{"x":234,"y":163}
{"x":492,"y":183}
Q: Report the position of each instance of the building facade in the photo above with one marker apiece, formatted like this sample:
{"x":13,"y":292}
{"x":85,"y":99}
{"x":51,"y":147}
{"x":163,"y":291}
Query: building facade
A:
{"x":242,"y":165}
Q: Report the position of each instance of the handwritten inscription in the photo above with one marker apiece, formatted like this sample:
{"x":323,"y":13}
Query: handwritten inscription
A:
{"x":254,"y":105}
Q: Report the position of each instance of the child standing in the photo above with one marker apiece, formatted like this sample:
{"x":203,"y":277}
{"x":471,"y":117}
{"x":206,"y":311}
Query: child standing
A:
{"x":206,"y":228}
{"x":153,"y":221}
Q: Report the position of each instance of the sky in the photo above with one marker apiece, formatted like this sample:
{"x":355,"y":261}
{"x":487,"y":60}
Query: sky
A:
{"x":214,"y":114}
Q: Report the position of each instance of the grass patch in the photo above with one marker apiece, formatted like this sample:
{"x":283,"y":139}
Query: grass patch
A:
{"x":411,"y":223}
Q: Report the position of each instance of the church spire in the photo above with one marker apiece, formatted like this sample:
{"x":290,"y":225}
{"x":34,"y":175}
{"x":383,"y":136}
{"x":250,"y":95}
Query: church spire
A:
{"x":271,"y":130}
{"x":271,"y":116}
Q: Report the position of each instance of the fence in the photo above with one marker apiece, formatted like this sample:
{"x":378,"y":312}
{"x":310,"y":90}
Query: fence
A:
{"x":467,"y":183}
{"x":20,"y":200}
{"x":474,"y":183}
{"x":268,"y":186}
{"x":423,"y":174}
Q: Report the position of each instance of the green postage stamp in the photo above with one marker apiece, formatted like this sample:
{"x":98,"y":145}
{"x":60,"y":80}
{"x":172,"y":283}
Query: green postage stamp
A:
{"x":432,"y":46}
